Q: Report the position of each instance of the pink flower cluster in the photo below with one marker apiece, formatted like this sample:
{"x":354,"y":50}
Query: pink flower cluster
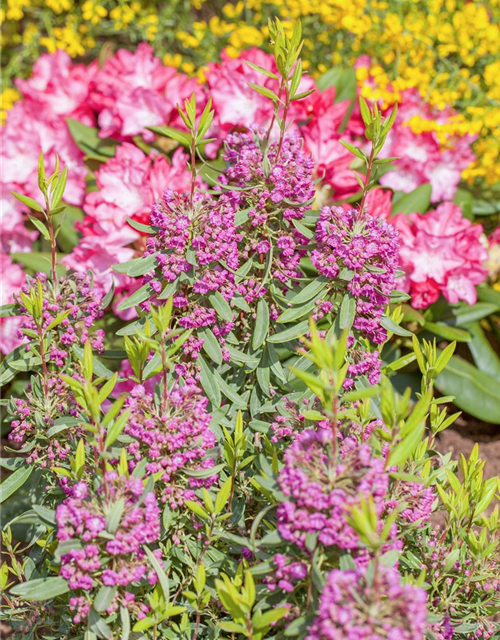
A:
{"x":356,"y":606}
{"x":277,"y":185}
{"x":13,"y":278}
{"x":441,"y":252}
{"x":286,"y":574}
{"x":362,"y":250}
{"x":134,"y":90}
{"x":82,"y":304}
{"x":127,"y":185}
{"x":422,"y":156}
{"x":172,"y":440}
{"x":59,"y":402}
{"x":320,"y":491}
{"x":130,"y":520}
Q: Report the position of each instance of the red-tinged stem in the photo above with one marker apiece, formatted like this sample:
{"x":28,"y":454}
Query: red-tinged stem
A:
{"x":367,"y":181}
{"x":164,"y":373}
{"x":283,"y":122}
{"x":193,"y":170}
{"x":53,"y":246}
{"x":197,"y":628}
{"x":44,"y":364}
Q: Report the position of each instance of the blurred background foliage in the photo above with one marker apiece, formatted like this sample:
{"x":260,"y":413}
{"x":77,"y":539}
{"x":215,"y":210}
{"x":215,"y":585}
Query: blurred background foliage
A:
{"x":448,"y":49}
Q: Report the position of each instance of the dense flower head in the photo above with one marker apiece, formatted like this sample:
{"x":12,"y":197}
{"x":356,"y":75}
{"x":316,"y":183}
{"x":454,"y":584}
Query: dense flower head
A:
{"x":275,"y":187}
{"x":195,"y":244}
{"x":320,"y":490}
{"x":107,"y":530}
{"x":287,"y":572}
{"x":482,"y":585}
{"x":36,"y":414}
{"x":171,"y":439}
{"x":75,"y":297}
{"x":441,"y":252}
{"x":363,"y":251}
{"x":356,"y":606}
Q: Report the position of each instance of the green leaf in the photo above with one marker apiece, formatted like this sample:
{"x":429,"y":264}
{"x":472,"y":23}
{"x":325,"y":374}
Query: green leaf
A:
{"x":268,"y":93}
{"x":9,"y":310}
{"x":260,"y":69}
{"x":312,"y":290}
{"x":447,"y":332}
{"x":483,"y":353}
{"x":141,"y":295}
{"x":116,"y":428}
{"x":264,"y":620}
{"x":209,"y":384}
{"x":88,"y":140}
{"x":17,"y":360}
{"x":40,"y":226}
{"x":41,"y":589}
{"x":142,"y":625}
{"x":229,"y":392}
{"x":475,"y":392}
{"x":290,"y":334}
{"x":182,"y":137}
{"x":196,"y":508}
{"x":104,"y":598}
{"x":125,"y":620}
{"x":138,"y":226}
{"x":160,"y":572}
{"x":417,"y":201}
{"x":469,"y":313}
{"x":221,"y":306}
{"x":347,"y":312}
{"x":390,"y":325}
{"x":136,"y":267}
{"x":37,"y":261}
{"x":406,"y":447}
{"x":14,"y":482}
{"x":261,"y":327}
{"x":211,"y":345}
{"x":297,"y":312}
{"x":29,"y":202}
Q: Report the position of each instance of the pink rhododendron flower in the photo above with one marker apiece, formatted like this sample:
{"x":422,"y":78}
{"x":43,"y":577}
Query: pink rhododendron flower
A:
{"x":128,"y":184}
{"x":12,"y":278}
{"x":236,"y":104}
{"x":441,"y":251}
{"x":378,"y":203}
{"x":14,"y":236}
{"x":321,"y":138}
{"x":135,"y":90}
{"x":422,"y":156}
{"x":60,"y":86}
{"x":29,"y":130}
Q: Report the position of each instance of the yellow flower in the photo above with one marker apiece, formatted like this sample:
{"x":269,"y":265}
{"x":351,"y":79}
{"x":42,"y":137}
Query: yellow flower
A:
{"x":172,"y":60}
{"x":7,"y":99}
{"x":93,"y":12}
{"x":246,"y":36}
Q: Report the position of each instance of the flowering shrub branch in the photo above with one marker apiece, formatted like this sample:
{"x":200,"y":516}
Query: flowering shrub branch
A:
{"x":248,"y":468}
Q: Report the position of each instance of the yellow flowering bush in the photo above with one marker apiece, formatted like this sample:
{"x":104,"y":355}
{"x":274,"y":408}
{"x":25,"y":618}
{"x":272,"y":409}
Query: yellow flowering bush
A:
{"x":449,"y":50}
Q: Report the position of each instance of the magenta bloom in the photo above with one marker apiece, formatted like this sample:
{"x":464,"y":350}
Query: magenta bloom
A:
{"x":356,"y":607}
{"x":366,"y":248}
{"x":320,"y":491}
